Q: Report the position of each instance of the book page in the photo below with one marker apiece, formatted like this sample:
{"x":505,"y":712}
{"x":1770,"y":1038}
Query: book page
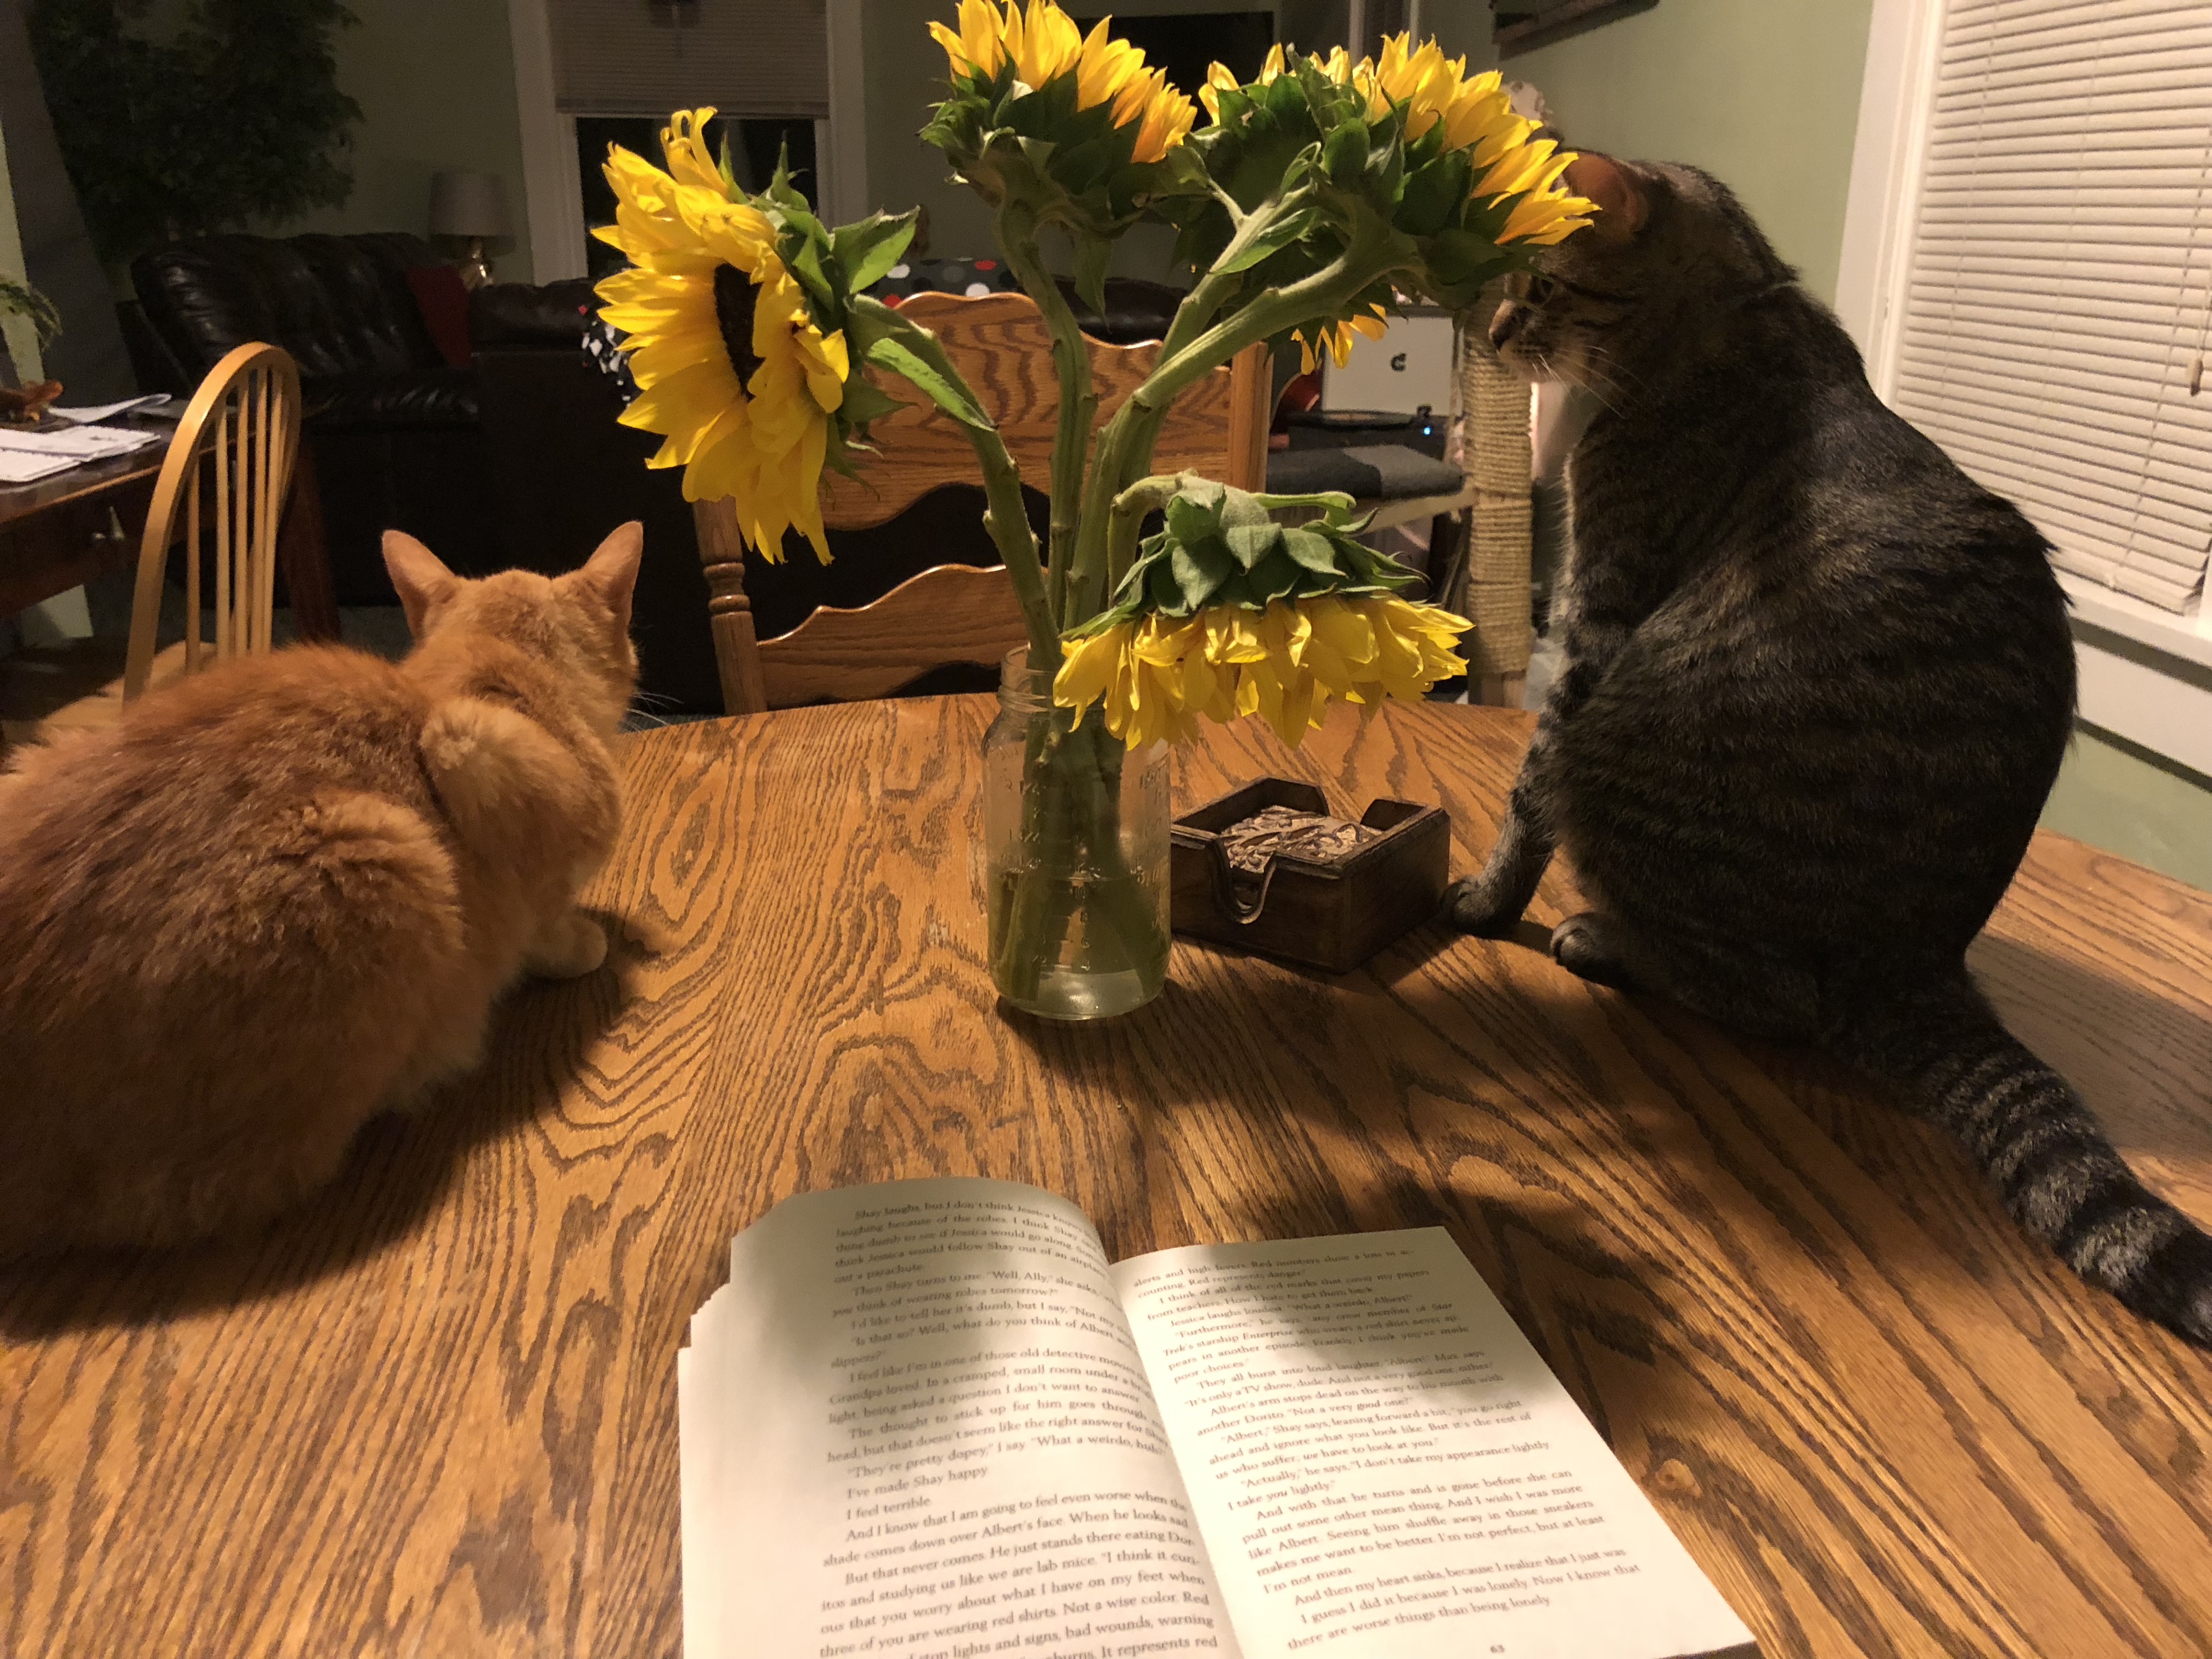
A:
{"x":1380,"y":1463}
{"x":914,"y":1423}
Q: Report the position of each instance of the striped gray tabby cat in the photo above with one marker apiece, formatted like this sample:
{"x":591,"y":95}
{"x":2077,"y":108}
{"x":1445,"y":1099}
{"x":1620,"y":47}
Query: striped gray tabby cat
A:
{"x":1817,"y":684}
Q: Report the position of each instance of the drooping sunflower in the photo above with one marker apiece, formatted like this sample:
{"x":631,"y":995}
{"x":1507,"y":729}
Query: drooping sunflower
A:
{"x":1044,"y":44}
{"x":1283,"y":663}
{"x":1227,"y":613}
{"x":733,"y":369}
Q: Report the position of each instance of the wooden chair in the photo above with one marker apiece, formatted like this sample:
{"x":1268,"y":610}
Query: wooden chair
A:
{"x":958,"y":613}
{"x":229,"y":466}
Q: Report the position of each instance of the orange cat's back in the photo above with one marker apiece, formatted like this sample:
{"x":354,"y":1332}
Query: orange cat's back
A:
{"x":226,"y":898}
{"x":280,"y":895}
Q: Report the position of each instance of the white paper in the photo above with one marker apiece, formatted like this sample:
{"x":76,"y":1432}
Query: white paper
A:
{"x":78,"y":443}
{"x":90,"y":413}
{"x":914,"y":1423}
{"x":1381,"y":1465}
{"x":20,"y":466}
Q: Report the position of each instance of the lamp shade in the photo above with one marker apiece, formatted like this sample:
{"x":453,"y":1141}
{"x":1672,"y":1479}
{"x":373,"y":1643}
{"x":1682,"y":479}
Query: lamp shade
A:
{"x":468,"y":204}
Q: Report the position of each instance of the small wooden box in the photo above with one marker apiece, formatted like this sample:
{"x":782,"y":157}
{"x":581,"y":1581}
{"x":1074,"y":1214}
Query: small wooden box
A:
{"x":1332,"y":914}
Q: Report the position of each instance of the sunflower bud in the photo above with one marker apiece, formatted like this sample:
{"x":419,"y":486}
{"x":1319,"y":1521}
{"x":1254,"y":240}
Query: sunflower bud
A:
{"x":1079,"y":128}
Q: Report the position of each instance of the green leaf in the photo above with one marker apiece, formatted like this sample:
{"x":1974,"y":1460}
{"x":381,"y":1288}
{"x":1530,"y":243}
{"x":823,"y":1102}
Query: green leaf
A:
{"x":1277,"y":577}
{"x":1343,"y":153}
{"x":894,"y":354}
{"x":1200,"y":568}
{"x":1284,"y":231}
{"x":1164,"y":591}
{"x":1250,"y":533}
{"x":1250,"y":543}
{"x":802,"y":256}
{"x":1316,"y":551}
{"x":865,"y":251}
{"x":865,"y":401}
{"x":1433,"y":194}
{"x":1093,"y":254}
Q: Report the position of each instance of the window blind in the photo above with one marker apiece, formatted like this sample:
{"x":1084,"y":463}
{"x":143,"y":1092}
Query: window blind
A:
{"x":748,"y":57}
{"x":2058,"y":302}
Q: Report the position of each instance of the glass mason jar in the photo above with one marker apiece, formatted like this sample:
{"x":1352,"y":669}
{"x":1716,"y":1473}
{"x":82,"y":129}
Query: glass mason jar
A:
{"x":1076,"y":856}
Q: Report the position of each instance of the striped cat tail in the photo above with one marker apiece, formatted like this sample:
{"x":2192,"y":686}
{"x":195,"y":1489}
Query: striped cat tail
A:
{"x":2034,"y":1138}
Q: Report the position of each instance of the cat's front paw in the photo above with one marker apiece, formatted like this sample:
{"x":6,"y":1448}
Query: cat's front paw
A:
{"x":572,"y":946}
{"x":1476,"y":905}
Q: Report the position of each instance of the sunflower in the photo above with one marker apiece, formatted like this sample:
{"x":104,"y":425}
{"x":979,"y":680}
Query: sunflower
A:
{"x":1336,"y":338}
{"x":1043,"y":44}
{"x":733,"y":369}
{"x":1156,"y":673}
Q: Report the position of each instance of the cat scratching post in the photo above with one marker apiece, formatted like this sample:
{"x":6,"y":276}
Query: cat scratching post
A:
{"x":1494,"y":451}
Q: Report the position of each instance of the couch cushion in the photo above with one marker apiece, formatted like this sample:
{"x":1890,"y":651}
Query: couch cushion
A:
{"x":340,"y":305}
{"x":443,"y":299}
{"x":523,"y":313}
{"x":414,"y":398}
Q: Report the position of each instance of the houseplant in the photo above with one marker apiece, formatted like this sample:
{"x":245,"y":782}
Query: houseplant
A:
{"x":1308,"y":201}
{"x":187,"y":118}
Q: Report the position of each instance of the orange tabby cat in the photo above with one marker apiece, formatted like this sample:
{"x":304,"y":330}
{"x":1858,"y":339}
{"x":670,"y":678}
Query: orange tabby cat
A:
{"x":280,"y":897}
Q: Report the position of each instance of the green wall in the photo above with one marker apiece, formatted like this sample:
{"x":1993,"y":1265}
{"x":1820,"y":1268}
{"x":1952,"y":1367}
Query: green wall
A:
{"x":22,"y":338}
{"x":435,"y":82}
{"x":2126,"y":799}
{"x":905,"y":73}
{"x":1763,"y":94}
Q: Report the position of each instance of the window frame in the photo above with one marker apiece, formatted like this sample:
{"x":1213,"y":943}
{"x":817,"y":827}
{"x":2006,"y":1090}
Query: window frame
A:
{"x":2145,"y":674}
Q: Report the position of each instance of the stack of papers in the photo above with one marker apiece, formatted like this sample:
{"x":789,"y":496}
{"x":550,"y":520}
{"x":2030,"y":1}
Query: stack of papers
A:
{"x":27,"y":456}
{"x":85,"y":415}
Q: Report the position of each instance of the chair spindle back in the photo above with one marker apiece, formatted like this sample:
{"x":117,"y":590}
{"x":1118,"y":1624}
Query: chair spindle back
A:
{"x":228,"y":471}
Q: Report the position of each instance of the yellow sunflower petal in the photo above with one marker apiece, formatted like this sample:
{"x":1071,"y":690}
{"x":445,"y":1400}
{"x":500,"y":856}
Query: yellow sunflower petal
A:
{"x":1086,"y":670}
{"x":683,"y":142}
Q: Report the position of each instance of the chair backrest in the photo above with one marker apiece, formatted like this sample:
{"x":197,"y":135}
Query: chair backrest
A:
{"x":229,"y":466}
{"x":956,"y":613}
{"x":1000,"y":343}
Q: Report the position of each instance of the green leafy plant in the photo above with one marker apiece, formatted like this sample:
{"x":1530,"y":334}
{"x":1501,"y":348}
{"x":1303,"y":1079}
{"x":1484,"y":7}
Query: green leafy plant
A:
{"x":21,"y":300}
{"x":232,"y":116}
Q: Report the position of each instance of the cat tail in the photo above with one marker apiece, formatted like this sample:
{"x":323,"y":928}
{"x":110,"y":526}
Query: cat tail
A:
{"x":2034,"y":1138}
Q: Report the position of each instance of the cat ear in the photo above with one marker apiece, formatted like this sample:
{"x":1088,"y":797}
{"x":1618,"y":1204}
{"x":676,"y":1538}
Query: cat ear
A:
{"x":611,"y":571}
{"x":420,"y":575}
{"x":1622,"y":209}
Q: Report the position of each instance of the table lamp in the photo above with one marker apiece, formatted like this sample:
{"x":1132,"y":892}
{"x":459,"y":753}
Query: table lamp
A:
{"x":470,"y":206}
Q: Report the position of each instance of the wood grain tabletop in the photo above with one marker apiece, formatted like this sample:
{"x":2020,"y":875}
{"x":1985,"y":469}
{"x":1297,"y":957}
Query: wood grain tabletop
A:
{"x":435,"y":1415}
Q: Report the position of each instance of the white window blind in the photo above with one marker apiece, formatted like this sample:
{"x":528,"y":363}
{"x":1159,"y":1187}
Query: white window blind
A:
{"x":2059,"y":296}
{"x":748,"y":57}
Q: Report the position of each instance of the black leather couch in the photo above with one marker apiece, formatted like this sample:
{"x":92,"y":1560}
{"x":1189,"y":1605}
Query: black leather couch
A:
{"x":395,"y":432}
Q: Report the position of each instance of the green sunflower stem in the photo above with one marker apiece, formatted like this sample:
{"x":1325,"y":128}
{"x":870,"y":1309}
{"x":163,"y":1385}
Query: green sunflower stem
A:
{"x":1203,"y":301}
{"x":1145,"y":495}
{"x":1005,"y":517}
{"x":1070,"y":869}
{"x":1125,"y":448}
{"x":1017,"y":229}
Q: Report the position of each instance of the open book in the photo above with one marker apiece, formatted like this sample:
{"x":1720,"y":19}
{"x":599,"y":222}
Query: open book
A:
{"x":929,"y":1419}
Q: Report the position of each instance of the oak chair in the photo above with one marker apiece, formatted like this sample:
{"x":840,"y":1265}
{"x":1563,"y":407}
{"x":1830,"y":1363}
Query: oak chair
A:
{"x":958,"y":613}
{"x":228,"y":470}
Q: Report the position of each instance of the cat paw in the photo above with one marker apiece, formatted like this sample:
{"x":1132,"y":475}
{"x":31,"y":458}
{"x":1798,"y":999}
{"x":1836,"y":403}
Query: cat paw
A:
{"x":1474,"y":907}
{"x":572,"y":947}
{"x":1580,"y":945}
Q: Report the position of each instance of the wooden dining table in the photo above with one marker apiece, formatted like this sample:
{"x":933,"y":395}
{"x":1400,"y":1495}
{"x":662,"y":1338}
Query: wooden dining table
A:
{"x":59,"y":531}
{"x":436,"y":1413}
